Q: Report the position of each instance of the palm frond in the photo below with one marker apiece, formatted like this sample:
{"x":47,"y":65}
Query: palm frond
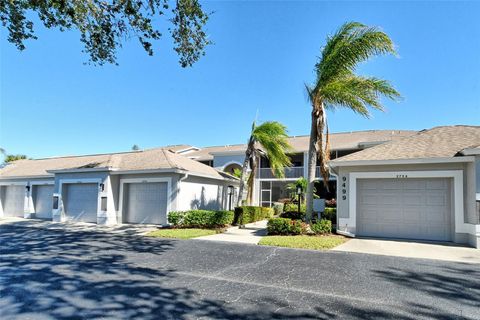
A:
{"x":358,"y":93}
{"x":273,"y":138}
{"x":352,"y":44}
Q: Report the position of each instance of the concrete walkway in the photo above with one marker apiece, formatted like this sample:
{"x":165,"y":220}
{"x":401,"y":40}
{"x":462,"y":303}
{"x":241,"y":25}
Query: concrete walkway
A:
{"x":251,"y":233}
{"x":404,"y":248}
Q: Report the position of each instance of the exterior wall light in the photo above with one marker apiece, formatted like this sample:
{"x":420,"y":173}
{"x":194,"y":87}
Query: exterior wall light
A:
{"x":299,"y":193}
{"x":102,"y":187}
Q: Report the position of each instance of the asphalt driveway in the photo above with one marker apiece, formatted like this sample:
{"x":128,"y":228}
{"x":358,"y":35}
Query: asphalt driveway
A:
{"x":64,"y":274}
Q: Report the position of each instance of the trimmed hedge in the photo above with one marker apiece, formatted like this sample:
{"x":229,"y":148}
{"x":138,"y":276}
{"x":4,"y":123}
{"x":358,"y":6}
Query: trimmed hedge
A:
{"x":285,"y":226}
{"x":330,"y":214}
{"x":200,"y":218}
{"x":323,"y":226}
{"x":294,"y":207}
{"x":294,"y":215}
{"x":249,"y":214}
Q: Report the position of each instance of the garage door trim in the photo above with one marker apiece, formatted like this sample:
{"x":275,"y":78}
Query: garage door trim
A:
{"x":168,"y":180}
{"x":30,"y":194}
{"x":457,"y":175}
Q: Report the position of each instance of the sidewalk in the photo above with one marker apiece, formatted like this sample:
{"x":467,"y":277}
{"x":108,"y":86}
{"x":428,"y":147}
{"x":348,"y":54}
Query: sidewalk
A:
{"x":251,"y":233}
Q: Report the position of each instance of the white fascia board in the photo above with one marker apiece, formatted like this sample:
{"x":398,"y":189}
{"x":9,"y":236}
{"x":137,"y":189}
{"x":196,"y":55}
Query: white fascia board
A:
{"x":167,"y":170}
{"x":190,"y":173}
{"x":471,"y":151}
{"x":27,"y":177}
{"x":334,"y":163}
{"x":187,"y":150}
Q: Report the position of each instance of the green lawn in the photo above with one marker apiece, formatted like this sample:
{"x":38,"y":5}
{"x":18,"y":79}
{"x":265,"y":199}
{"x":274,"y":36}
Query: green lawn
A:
{"x":303,"y":242}
{"x":182,"y":233}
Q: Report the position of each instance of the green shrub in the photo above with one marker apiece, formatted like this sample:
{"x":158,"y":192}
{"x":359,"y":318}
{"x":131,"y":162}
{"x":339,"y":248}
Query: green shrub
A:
{"x":285,"y":226}
{"x":200,"y":218}
{"x":277,"y":208}
{"x":294,"y":207}
{"x":297,"y":227}
{"x":176,"y":218}
{"x":323,"y":226}
{"x":249,"y":214}
{"x":295,"y":215}
{"x":278,"y":226}
{"x":330,"y":214}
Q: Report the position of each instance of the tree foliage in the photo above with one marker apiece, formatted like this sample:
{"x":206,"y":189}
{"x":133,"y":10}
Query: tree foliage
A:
{"x":271,"y":140}
{"x":338,"y":86}
{"x":14,"y":157}
{"x":104,"y":25}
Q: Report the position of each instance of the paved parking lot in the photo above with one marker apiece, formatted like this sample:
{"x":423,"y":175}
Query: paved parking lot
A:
{"x":92,"y":274}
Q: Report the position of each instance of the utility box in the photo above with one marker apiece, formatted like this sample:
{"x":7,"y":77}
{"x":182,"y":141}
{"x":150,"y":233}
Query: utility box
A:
{"x":319,"y":207}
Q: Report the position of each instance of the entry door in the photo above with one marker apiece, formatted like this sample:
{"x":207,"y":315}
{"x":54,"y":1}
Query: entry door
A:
{"x":146,"y":203}
{"x":43,"y":202}
{"x":14,"y":201}
{"x":81,"y":202}
{"x":405,"y":208}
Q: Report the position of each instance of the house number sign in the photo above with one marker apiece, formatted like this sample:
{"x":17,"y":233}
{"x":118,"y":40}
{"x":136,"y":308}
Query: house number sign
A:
{"x":344,"y":188}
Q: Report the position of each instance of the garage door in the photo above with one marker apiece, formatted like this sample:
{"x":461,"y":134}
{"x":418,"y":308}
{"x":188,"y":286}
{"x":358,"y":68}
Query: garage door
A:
{"x":404,"y":208}
{"x":13,"y":201}
{"x":146,"y":203}
{"x":43,"y":202}
{"x":81,"y":202}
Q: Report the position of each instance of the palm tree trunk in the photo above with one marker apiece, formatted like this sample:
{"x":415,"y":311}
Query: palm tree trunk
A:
{"x":243,"y":177}
{"x":312,"y":166}
{"x":251,"y":179}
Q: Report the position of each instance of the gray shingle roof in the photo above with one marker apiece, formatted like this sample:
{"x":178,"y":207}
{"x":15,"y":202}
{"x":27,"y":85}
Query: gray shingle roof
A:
{"x":338,"y":141}
{"x":438,"y":142}
{"x":153,"y":159}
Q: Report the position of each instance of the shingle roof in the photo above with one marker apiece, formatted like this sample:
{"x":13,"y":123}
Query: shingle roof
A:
{"x":438,"y":142}
{"x":338,"y":141}
{"x":152,"y":159}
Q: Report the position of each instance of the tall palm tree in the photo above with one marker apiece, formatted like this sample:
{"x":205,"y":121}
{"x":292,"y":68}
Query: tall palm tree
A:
{"x":272,"y":138}
{"x":337,"y":86}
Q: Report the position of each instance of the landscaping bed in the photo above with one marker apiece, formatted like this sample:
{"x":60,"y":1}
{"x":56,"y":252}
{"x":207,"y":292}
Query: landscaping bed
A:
{"x":186,"y":233}
{"x":304,"y":241}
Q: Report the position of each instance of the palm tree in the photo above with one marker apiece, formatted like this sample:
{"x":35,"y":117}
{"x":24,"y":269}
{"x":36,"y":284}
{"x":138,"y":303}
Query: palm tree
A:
{"x":337,"y":86}
{"x":272,"y":137}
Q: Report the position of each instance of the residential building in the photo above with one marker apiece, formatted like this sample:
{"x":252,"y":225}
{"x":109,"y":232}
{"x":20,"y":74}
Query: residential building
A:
{"x":130,"y":187}
{"x":425,"y":186}
{"x":268,"y":188}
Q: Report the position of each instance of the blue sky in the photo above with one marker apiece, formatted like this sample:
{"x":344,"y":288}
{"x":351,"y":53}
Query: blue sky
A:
{"x":264,"y":52}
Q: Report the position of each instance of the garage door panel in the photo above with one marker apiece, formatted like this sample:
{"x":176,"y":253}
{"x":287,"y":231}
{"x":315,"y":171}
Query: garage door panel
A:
{"x":404,"y":208}
{"x":146,"y":203}
{"x":437,"y":184}
{"x":437,"y":200}
{"x":81,"y":202}
{"x":412,"y":184}
{"x":43,"y":202}
{"x":14,"y":201}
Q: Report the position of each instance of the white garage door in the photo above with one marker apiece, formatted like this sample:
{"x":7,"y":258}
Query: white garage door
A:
{"x":146,"y":203}
{"x":81,"y":202}
{"x":43,"y":202}
{"x":404,"y":208}
{"x":13,"y":201}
